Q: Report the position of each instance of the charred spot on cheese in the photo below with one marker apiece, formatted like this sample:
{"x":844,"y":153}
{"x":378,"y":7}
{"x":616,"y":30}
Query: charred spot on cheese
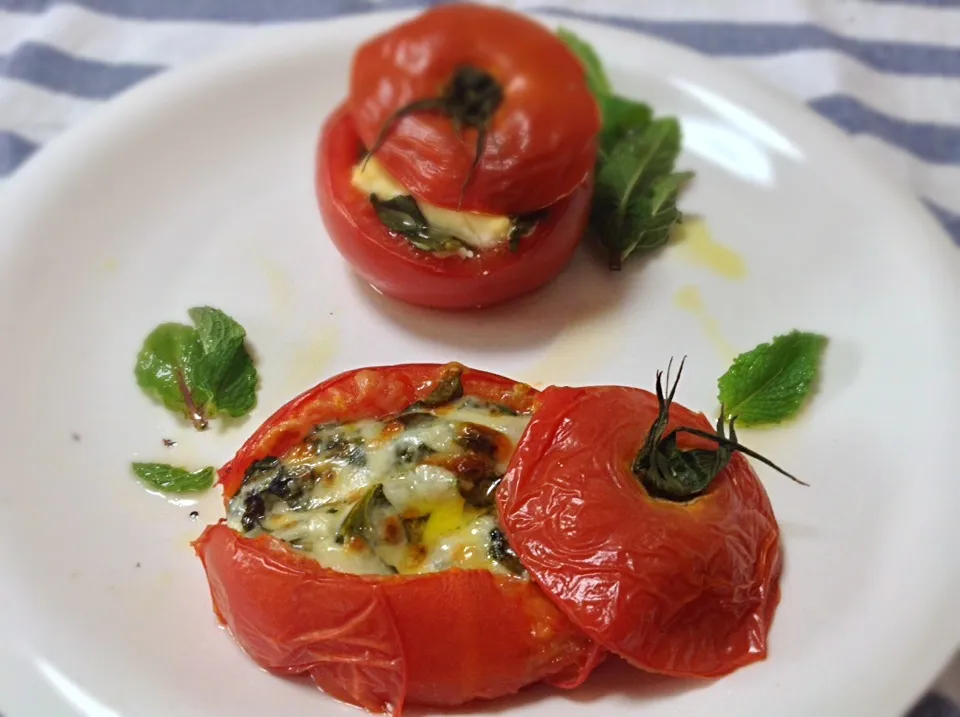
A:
{"x":409,"y":493}
{"x":254,"y":509}
{"x":437,"y":229}
{"x":503,"y":554}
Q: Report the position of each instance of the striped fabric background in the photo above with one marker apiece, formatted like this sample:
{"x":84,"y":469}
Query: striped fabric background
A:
{"x":887,"y":72}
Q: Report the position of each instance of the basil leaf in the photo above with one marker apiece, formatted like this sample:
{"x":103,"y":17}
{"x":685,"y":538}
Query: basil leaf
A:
{"x":771,"y":383}
{"x":359,"y":521}
{"x":522,"y":225}
{"x":449,"y":387}
{"x":402,"y":216}
{"x":172,"y":479}
{"x":596,"y":76}
{"x":199,"y":371}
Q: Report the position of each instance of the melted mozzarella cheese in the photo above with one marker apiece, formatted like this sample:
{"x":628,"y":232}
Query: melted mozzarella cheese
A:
{"x":480,"y":231}
{"x":421,"y":520}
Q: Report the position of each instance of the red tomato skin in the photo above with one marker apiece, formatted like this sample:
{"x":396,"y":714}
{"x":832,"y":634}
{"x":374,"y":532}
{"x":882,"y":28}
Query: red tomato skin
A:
{"x":678,"y":589}
{"x":373,"y":641}
{"x":541,"y":142}
{"x":397,"y":269}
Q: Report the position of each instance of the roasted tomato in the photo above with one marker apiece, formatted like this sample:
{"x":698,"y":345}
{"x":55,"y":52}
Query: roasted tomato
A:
{"x":458,"y":174}
{"x":683,"y":587}
{"x":417,"y":633}
{"x":397,"y":268}
{"x":503,"y":120}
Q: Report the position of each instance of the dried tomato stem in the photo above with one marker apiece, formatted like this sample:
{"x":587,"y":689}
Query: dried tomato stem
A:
{"x":469,"y":99}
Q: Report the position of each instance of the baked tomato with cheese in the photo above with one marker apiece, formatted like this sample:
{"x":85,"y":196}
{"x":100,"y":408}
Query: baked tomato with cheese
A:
{"x":362,"y":546}
{"x":458,"y":172}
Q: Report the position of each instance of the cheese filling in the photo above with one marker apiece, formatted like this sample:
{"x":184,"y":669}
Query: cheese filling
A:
{"x":409,"y":494}
{"x":479,"y":231}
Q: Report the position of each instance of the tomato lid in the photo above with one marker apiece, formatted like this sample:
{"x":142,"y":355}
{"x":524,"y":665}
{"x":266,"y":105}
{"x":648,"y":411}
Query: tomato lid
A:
{"x":476,"y":108}
{"x":680,"y":588}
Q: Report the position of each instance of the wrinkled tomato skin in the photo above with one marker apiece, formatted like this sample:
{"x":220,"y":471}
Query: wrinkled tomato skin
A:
{"x":685,"y":589}
{"x":380,"y":642}
{"x":541,"y":142}
{"x":398,"y":269}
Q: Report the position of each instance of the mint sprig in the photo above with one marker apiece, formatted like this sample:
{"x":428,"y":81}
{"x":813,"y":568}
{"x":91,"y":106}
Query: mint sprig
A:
{"x":596,"y":77}
{"x":636,"y":188}
{"x":770,"y":383}
{"x":171,"y":479}
{"x":201,"y":371}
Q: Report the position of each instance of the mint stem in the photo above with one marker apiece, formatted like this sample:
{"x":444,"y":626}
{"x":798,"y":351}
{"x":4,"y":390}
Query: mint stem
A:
{"x":195,"y":415}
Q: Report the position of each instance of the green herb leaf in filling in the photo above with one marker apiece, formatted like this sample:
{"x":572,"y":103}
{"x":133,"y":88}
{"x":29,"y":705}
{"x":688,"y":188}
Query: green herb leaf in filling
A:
{"x":448,"y":388}
{"x":401,"y":215}
{"x":359,"y":522}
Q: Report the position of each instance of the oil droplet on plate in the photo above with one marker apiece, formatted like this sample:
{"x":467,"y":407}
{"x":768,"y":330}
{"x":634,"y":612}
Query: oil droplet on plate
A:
{"x":279,"y":284}
{"x":574,"y":351}
{"x":689,"y":299}
{"x":110,"y":265}
{"x":310,"y":358}
{"x":695,"y":245}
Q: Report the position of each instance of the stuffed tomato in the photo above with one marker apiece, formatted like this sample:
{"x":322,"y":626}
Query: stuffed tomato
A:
{"x":459,"y":171}
{"x":432,"y":534}
{"x":362,"y":545}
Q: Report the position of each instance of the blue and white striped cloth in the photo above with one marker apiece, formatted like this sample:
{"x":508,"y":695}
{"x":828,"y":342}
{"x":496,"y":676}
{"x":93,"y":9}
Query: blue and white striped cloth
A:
{"x":887,"y":72}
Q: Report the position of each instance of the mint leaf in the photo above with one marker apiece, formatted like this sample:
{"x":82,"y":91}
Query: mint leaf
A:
{"x":621,"y":117}
{"x":169,"y":370}
{"x":237,"y":393}
{"x":618,"y":113}
{"x":221,"y":338}
{"x":636,"y":188}
{"x":597,"y":79}
{"x":651,"y":217}
{"x":635,"y":195}
{"x":171,"y":479}
{"x":199,"y":371}
{"x":639,"y":158}
{"x":771,"y":382}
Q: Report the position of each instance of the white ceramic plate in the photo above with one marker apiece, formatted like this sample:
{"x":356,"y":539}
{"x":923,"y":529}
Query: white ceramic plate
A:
{"x":197,"y":188}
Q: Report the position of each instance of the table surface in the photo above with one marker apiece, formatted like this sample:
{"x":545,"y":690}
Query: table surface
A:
{"x":885,"y":71}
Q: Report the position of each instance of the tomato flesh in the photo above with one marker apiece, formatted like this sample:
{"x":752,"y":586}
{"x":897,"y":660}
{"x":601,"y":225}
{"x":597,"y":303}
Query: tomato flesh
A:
{"x":541,"y":140}
{"x":685,"y":589}
{"x":396,"y":268}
